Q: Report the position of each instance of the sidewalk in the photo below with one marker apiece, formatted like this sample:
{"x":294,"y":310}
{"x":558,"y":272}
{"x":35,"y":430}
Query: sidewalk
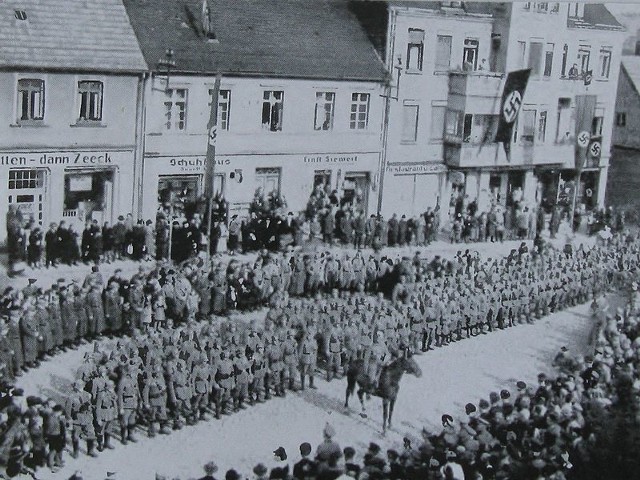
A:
{"x":46,"y":277}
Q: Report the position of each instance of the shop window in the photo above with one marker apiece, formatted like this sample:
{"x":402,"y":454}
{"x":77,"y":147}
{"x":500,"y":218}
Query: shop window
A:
{"x":355,"y":190}
{"x":322,"y":179}
{"x":224,"y":108}
{"x":535,"y":58}
{"x":268,"y":179}
{"x":26,"y":179}
{"x":410,"y":122}
{"x":272,"y":110}
{"x":325,"y":106}
{"x":548,"y":59}
{"x":89,"y":193}
{"x":564,"y":132}
{"x":443,"y":52}
{"x":175,"y":106}
{"x":30,"y":99}
{"x":605,"y":62}
{"x":470,"y":54}
{"x":621,"y":119}
{"x":359,"y":117}
{"x":415,"y":49}
{"x":179,"y":195}
{"x":90,"y":99}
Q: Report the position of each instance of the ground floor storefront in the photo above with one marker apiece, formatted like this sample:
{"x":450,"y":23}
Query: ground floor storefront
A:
{"x":71,"y":185}
{"x":177,"y":182}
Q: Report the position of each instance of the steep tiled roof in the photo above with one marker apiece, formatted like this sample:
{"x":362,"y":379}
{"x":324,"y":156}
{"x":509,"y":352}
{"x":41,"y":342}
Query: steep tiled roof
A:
{"x":87,"y":35}
{"x":283,"y":38}
{"x":596,"y":16}
{"x":631,"y":66}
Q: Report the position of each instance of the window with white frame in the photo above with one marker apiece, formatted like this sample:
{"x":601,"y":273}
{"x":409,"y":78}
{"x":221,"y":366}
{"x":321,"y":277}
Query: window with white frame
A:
{"x":527,"y":121}
{"x":542,"y":126}
{"x":224,"y":108}
{"x":454,"y":124}
{"x":90,"y":99}
{"x":175,"y":109}
{"x":470,"y":54}
{"x":325,"y":106}
{"x":535,"y":58}
{"x":30,"y":99}
{"x":605,"y":62}
{"x":438,"y":114}
{"x":621,"y":119}
{"x":522,"y":49}
{"x":410,"y":122}
{"x":415,"y":49}
{"x":443,"y":52}
{"x":584,"y":57}
{"x":272,"y":110}
{"x":565,"y":57}
{"x":596,"y":124}
{"x":548,"y":59}
{"x":555,"y":7}
{"x":576,"y":10}
{"x":359,"y":115}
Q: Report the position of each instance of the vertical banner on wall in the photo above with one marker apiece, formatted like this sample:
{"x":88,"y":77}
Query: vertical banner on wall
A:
{"x":585,"y":110}
{"x":512,"y":98}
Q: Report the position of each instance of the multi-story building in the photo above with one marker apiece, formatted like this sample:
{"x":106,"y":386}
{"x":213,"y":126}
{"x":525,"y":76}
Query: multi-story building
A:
{"x":299,"y":102}
{"x":449,"y":62}
{"x":626,"y":131}
{"x":69,"y":79}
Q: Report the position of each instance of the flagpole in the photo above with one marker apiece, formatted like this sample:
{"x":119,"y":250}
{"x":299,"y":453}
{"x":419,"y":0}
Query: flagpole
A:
{"x":212,"y":134}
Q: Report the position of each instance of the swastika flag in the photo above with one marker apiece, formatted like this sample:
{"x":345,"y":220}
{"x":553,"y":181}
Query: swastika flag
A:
{"x":512,"y":95}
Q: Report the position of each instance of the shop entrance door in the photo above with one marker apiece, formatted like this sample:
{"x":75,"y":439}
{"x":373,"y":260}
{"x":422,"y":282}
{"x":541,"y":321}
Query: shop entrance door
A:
{"x":27,"y":190}
{"x":355,"y":190}
{"x":180,"y":194}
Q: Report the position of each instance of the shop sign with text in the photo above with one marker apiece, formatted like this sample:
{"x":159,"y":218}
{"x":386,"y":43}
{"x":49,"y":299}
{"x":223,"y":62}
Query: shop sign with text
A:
{"x":63,"y":158}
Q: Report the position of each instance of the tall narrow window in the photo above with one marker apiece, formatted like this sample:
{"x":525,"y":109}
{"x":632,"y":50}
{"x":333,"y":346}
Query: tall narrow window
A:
{"x":272,"y":110}
{"x":325,"y":105}
{"x":584,"y":57}
{"x":443,"y":52}
{"x":359,"y":116}
{"x":528,"y":119}
{"x":535,"y":58}
{"x":409,"y":123}
{"x":522,"y":48}
{"x":596,"y":125}
{"x":468,"y":124}
{"x":175,"y":109}
{"x":224,"y":108}
{"x":90,"y":93}
{"x":605,"y":62}
{"x":30,"y":99}
{"x":563,"y":129}
{"x":621,"y":119}
{"x":548,"y":59}
{"x":470,"y":54}
{"x":437,"y":122}
{"x":565,"y":55}
{"x":454,"y":124}
{"x":542,"y":126}
{"x":415,"y":49}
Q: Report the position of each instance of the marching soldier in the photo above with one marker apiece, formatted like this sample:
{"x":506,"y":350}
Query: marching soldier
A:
{"x":128,"y":398}
{"x":308,"y":358}
{"x":77,"y":404}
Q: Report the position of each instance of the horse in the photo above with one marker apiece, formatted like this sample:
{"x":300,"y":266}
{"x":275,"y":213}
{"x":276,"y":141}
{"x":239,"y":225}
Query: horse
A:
{"x":388,"y":385}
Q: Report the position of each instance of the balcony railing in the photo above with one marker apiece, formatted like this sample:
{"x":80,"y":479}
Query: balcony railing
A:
{"x":476,"y":155}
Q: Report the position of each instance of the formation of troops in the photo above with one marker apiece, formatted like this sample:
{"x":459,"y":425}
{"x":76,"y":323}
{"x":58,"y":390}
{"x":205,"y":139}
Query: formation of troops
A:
{"x":180,"y":363}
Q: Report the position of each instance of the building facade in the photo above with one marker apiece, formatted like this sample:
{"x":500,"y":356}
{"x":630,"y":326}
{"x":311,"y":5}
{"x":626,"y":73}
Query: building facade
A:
{"x":450,"y":61}
{"x":284,"y":125}
{"x":68,"y":115}
{"x":626,"y":130}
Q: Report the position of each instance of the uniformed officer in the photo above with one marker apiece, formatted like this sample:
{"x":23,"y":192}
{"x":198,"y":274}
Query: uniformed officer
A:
{"x":259,"y":370}
{"x":106,"y":412}
{"x":154,"y":397}
{"x":225,"y":380}
{"x":290,"y":357}
{"x":308,"y":358}
{"x":334,"y":351}
{"x":242,"y":372}
{"x":201,"y":375}
{"x":129,"y":400}
{"x":275,"y":356}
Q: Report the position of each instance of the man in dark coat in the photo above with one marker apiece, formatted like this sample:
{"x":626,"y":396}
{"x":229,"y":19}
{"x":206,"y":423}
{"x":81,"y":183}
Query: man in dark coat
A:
{"x":402,"y":231}
{"x":393,"y":230}
{"x":51,"y":247}
{"x":119,"y":237}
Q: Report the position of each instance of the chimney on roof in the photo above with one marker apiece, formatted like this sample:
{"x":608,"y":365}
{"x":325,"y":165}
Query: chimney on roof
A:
{"x":207,"y":27}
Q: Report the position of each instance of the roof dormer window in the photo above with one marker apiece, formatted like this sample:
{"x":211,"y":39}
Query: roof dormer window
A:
{"x":20,"y":15}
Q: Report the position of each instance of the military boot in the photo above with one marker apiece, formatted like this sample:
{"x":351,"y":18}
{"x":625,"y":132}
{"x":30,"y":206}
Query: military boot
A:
{"x":91,"y":446}
{"x":107,"y":442}
{"x":130,"y":437}
{"x":123,"y":435}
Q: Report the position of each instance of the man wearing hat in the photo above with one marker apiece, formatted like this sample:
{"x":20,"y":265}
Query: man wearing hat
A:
{"x":328,"y":449}
{"x":209,"y":470}
{"x":261,"y":472}
{"x":305,"y":469}
{"x":308,"y":358}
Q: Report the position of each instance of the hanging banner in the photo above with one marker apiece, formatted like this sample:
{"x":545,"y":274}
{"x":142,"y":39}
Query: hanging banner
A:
{"x":512,"y":98}
{"x":585,"y":110}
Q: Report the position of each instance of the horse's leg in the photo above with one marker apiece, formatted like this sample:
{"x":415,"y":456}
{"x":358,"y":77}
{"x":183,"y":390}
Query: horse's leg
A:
{"x":392,"y":402}
{"x":385,"y":412}
{"x":351,"y":383}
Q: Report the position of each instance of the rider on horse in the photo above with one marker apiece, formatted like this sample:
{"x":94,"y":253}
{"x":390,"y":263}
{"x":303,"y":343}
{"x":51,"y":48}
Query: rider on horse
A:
{"x":379,"y":358}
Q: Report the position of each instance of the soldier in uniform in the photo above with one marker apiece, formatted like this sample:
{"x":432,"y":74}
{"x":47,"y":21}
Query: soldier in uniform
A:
{"x":30,"y":335}
{"x":291,"y":361}
{"x":334,"y":351}
{"x":6,"y":354}
{"x":128,"y":398}
{"x":181,"y":394}
{"x":14,"y":338}
{"x":106,"y":412}
{"x":113,"y":303}
{"x":80,"y":313}
{"x":55,"y":318}
{"x":44,"y":325}
{"x":275,"y":357}
{"x":201,"y":380}
{"x":242,"y":372}
{"x":225,"y":380}
{"x":380,"y":356}
{"x":259,"y":371}
{"x":154,"y":395}
{"x":96,"y":310}
{"x":69,"y":319}
{"x":308,"y":358}
{"x":77,"y":402}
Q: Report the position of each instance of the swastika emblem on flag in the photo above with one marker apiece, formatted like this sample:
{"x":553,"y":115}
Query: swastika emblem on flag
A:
{"x":512,"y":106}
